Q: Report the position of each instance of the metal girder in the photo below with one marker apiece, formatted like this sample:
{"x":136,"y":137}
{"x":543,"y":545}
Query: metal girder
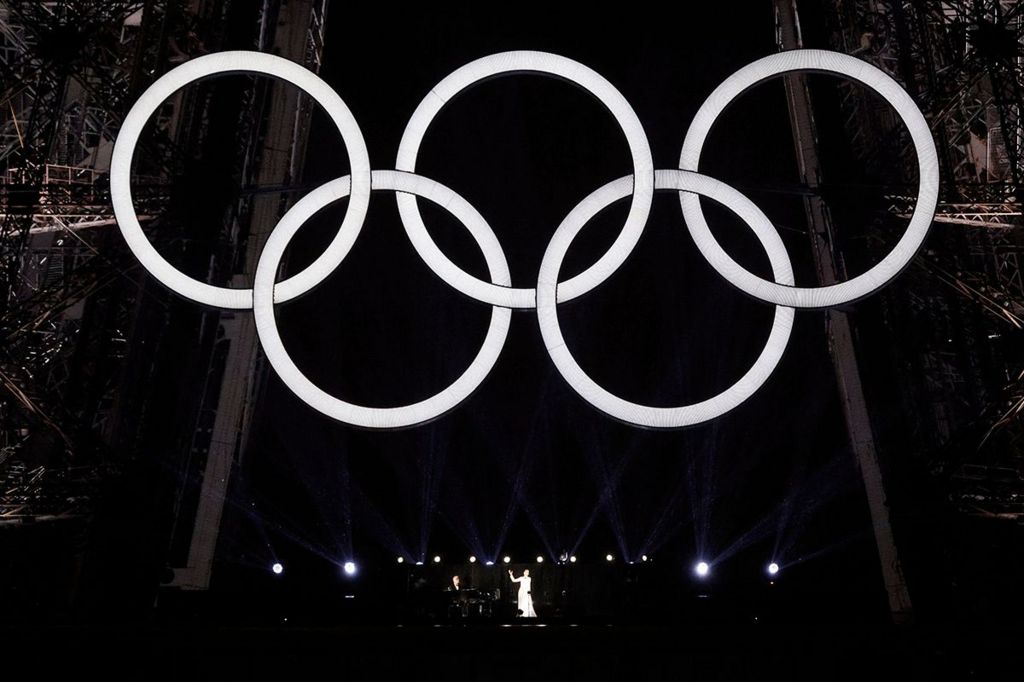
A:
{"x":68,"y":71}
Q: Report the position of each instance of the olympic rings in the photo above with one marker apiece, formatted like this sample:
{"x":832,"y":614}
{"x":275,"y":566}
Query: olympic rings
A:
{"x":378,"y":417}
{"x":928,"y":173}
{"x":642,"y":415}
{"x":553,"y":65}
{"x":499,"y":293}
{"x":237,"y":62}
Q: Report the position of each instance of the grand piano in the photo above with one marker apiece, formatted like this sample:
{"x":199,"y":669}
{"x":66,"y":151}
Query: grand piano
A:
{"x":471,"y":603}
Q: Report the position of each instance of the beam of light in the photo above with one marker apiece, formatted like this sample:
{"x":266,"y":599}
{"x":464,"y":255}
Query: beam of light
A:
{"x":805,"y":499}
{"x":760,"y":530}
{"x":431,"y":475}
{"x":518,"y":62}
{"x":701,"y":480}
{"x":518,"y":499}
{"x":664,"y":527}
{"x":609,"y":485}
{"x":286,"y":527}
{"x":455,"y":503}
{"x":358,"y":185}
{"x":702,"y":569}
{"x":773,"y":568}
{"x":373,"y":521}
{"x":488,"y":563}
{"x":350,"y":568}
{"x":784,"y":293}
{"x":337,"y":514}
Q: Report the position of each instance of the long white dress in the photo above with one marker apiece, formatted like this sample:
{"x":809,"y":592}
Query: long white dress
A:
{"x":525,"y":601}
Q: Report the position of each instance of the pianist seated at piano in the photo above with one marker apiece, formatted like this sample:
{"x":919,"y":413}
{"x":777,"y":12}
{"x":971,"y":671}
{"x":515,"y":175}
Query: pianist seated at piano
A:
{"x":464,"y":601}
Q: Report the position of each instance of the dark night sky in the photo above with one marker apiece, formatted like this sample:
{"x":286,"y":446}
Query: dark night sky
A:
{"x":525,"y":466}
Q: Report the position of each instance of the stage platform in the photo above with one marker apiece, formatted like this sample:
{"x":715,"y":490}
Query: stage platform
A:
{"x":518,"y":651}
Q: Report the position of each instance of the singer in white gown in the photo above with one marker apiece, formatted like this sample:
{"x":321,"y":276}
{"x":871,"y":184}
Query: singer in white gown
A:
{"x":525,"y":601}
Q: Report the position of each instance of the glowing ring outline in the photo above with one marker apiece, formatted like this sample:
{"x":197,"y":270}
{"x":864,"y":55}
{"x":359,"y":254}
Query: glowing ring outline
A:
{"x":528,"y":61}
{"x":358,"y":415}
{"x":553,"y":292}
{"x":601,"y":398}
{"x":237,"y":61}
{"x":928,"y":187}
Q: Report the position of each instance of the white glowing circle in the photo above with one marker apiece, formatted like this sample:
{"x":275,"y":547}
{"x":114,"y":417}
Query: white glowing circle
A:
{"x":643,"y":415}
{"x":350,"y":568}
{"x":928,"y":172}
{"x":315,"y":397}
{"x":572,"y":560}
{"x":773,"y":568}
{"x":527,"y":62}
{"x":639,"y":187}
{"x":277,"y":568}
{"x":507,"y":559}
{"x":437,"y":559}
{"x":238,"y":62}
{"x":643,"y":557}
{"x":472,"y":559}
{"x":702,"y":569}
{"x":401,"y":560}
{"x":608,"y":557}
{"x":540,"y":559}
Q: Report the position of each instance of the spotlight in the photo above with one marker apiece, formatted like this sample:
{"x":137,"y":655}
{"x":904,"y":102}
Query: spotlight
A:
{"x":419,"y":563}
{"x":572,"y":559}
{"x":507,"y":559}
{"x":643,"y":557}
{"x":702,"y":569}
{"x":489,"y":563}
{"x":437,"y":559}
{"x":773,"y":568}
{"x":350,"y":568}
{"x":472,"y":559}
{"x":608,"y":557}
{"x":277,"y":568}
{"x":401,"y":559}
{"x":540,"y":559}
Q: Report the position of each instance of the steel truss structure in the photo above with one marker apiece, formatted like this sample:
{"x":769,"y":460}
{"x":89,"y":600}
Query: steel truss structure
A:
{"x":73,"y":302}
{"x":69,"y":70}
{"x":962,"y":308}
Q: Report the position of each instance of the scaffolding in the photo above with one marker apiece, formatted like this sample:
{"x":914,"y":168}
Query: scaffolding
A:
{"x":79,"y":320}
{"x":956,"y":318}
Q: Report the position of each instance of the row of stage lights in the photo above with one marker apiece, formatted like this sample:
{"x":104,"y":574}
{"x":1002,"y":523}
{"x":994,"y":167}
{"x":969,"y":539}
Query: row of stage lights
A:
{"x":507,"y":560}
{"x":701,"y":569}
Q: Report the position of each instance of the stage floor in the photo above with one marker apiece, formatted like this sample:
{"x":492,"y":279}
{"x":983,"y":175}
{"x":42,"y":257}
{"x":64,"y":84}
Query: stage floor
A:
{"x":518,"y":651}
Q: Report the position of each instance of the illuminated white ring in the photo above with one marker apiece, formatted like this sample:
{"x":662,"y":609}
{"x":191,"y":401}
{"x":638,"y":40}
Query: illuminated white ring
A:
{"x":928,"y":170}
{"x":624,"y":410}
{"x":378,"y":417}
{"x":532,"y":62}
{"x":238,"y":62}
